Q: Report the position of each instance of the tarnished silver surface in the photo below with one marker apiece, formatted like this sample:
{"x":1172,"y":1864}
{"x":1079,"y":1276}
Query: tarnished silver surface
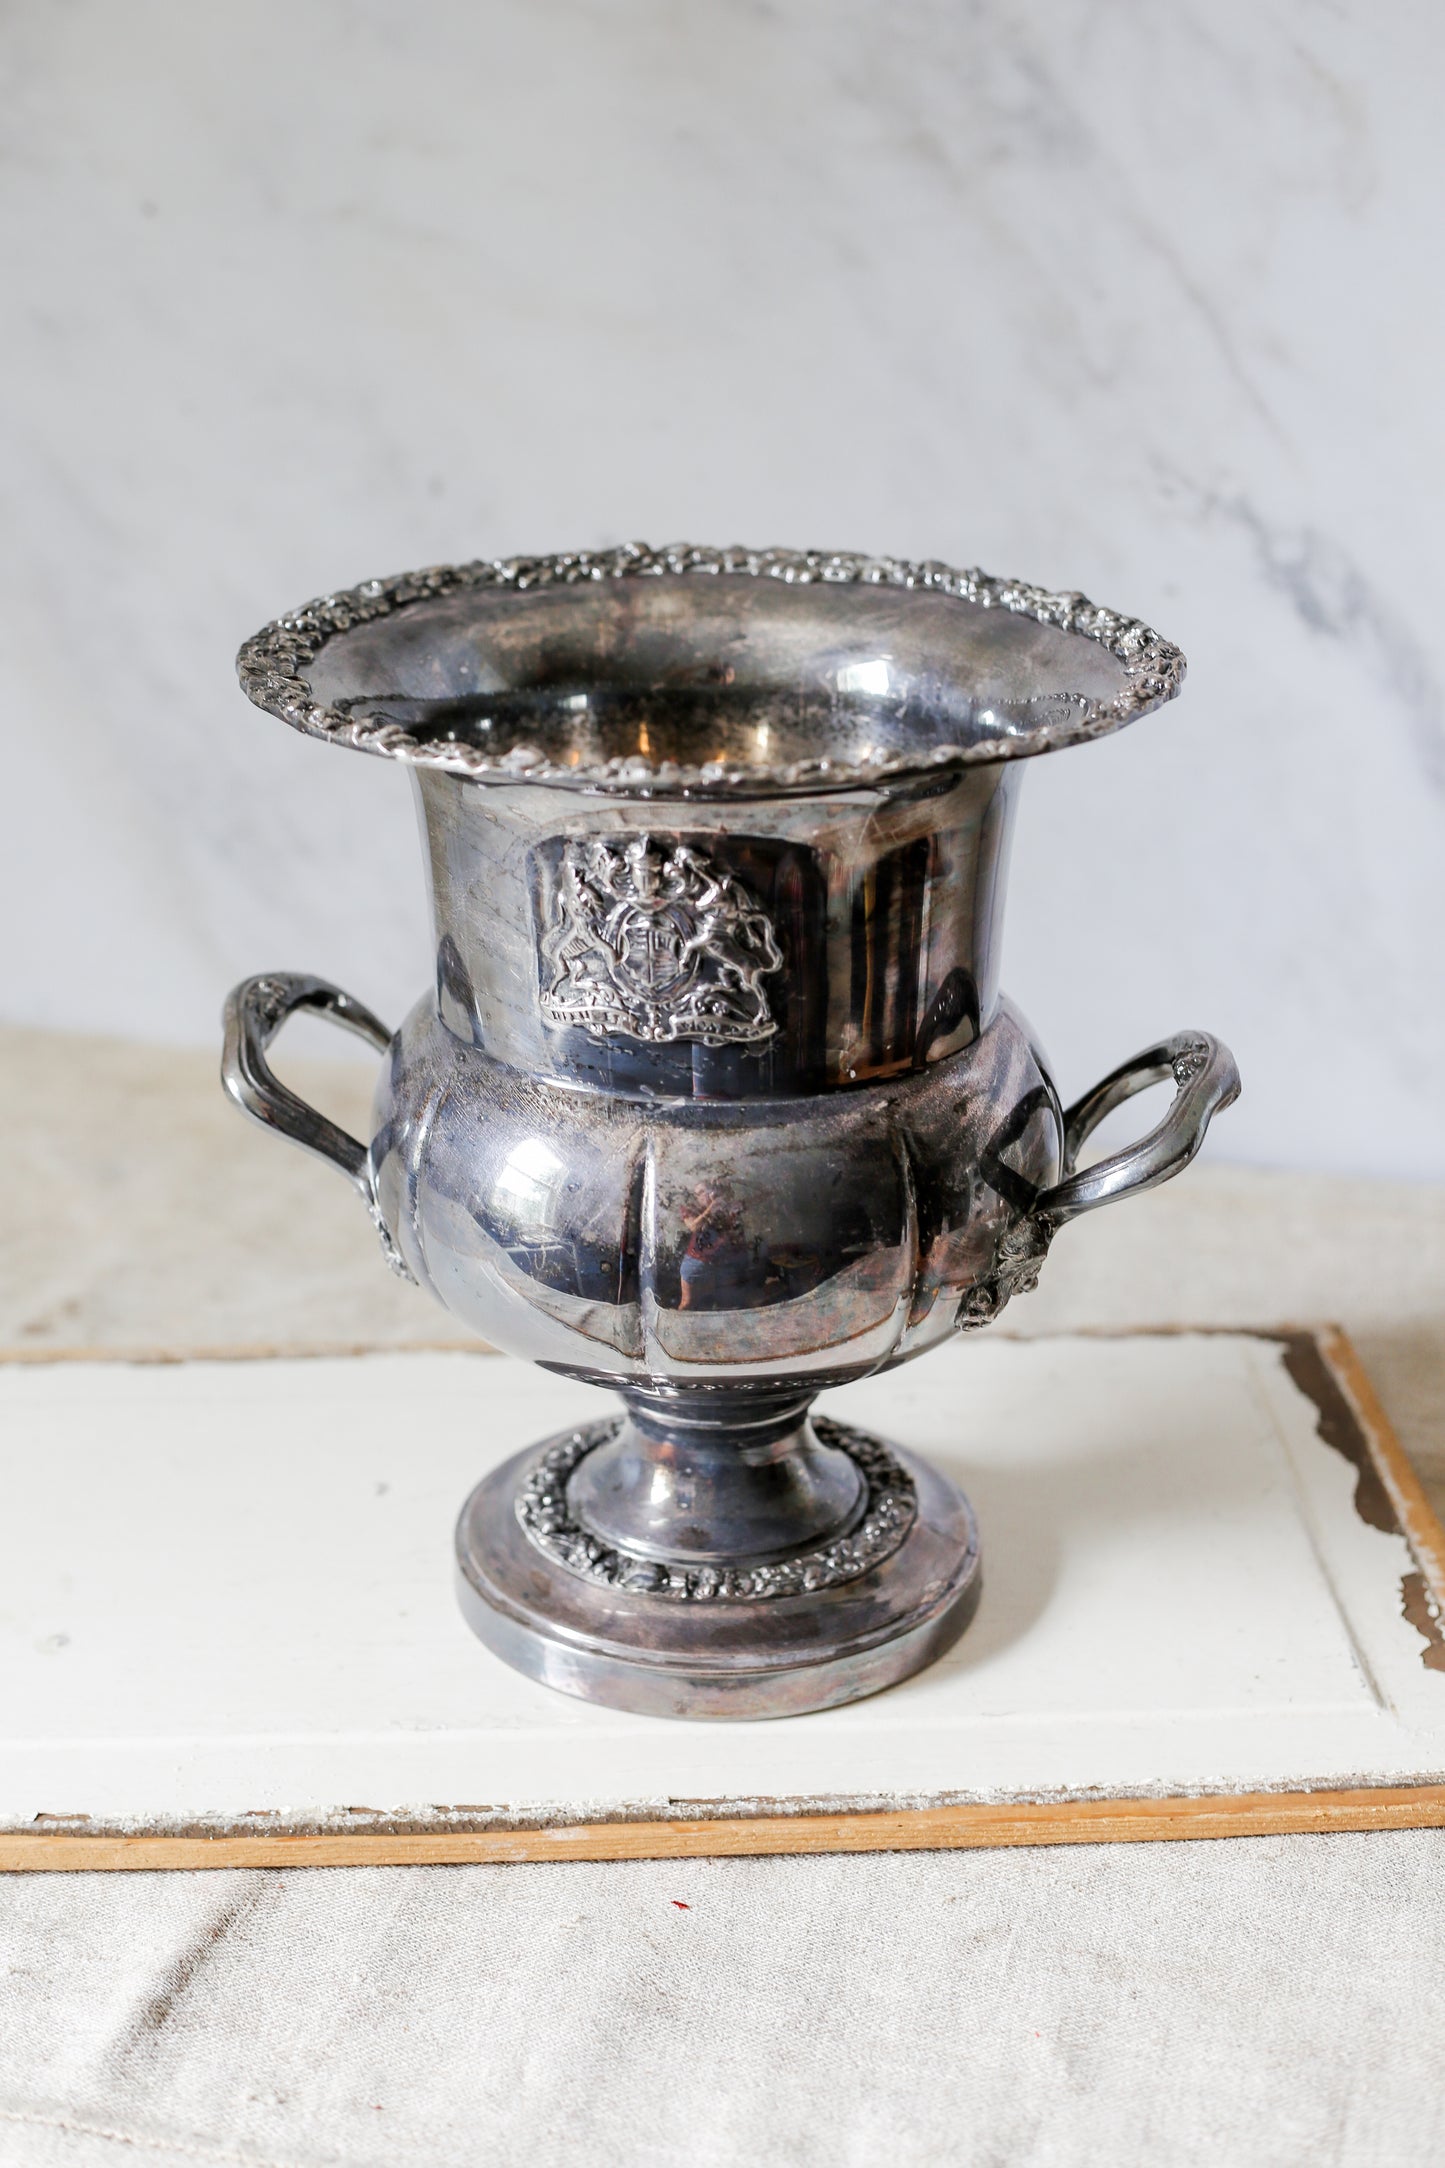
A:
{"x":885,"y":904}
{"x":775,"y":1656}
{"x":716,"y":1099}
{"x":254,"y":1012}
{"x":544,"y":668}
{"x":564,"y":1531}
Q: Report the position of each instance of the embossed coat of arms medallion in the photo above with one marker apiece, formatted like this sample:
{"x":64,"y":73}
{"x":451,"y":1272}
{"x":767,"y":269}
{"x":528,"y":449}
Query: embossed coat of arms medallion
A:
{"x":652,"y":941}
{"x":716,"y":1099}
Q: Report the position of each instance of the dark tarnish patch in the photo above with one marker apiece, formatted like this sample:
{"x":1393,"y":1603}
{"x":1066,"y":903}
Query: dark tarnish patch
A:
{"x":1339,"y":1427}
{"x":1419,"y":1607}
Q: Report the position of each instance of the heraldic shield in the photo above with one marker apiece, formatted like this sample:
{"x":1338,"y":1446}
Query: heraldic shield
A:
{"x":654,"y":942}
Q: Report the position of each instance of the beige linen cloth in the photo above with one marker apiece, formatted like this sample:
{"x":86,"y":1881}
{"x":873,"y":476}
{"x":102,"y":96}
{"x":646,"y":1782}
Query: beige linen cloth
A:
{"x":1262,"y":2001}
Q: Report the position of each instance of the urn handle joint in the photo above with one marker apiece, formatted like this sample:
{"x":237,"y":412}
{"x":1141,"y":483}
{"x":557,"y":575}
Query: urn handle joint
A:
{"x":1206,"y":1081}
{"x":254,"y":1013}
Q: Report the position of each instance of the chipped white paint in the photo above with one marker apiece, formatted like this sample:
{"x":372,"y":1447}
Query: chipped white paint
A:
{"x":224,"y":1587}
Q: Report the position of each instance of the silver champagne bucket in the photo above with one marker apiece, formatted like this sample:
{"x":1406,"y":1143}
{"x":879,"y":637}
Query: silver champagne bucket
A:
{"x":715,"y":1099}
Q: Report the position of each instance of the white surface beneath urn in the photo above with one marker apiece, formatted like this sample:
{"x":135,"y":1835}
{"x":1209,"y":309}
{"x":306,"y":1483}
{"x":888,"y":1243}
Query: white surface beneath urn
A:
{"x":225,"y":1606}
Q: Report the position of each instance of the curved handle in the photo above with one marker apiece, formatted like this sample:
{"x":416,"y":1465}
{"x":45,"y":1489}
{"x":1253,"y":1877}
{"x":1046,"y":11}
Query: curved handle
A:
{"x":1206,"y":1081}
{"x":254,"y":1013}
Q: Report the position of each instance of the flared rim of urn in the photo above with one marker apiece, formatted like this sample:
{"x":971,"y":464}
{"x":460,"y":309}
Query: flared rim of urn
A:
{"x":689,"y":672}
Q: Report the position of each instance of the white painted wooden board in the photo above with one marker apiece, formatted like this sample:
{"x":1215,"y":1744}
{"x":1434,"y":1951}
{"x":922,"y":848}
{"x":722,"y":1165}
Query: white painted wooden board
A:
{"x":225,"y":1589}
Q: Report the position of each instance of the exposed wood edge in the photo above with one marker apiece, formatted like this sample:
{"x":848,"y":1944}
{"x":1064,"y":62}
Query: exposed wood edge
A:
{"x":1417,"y":1517}
{"x":918,"y":1829}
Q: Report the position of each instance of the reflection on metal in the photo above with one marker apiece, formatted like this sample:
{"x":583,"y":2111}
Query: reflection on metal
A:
{"x":887,"y":1506}
{"x":716,"y":1099}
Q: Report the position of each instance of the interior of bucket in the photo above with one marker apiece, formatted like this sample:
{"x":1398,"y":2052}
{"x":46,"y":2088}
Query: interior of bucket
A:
{"x":731,"y":670}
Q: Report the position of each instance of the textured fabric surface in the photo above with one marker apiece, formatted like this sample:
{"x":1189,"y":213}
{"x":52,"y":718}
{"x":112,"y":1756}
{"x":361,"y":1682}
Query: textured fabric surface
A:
{"x":1273,"y":2001}
{"x":1252,"y":2004}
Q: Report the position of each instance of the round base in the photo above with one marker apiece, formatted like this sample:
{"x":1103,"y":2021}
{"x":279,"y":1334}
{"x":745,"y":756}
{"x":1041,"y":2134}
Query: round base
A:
{"x":749,"y":1657}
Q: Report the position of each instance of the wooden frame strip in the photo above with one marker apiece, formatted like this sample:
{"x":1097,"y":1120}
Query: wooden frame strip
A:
{"x":917,"y":1829}
{"x":1419,"y":1522}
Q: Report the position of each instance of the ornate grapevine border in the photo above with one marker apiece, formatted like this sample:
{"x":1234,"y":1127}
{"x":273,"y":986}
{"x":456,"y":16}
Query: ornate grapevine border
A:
{"x":272,"y":666}
{"x":889,"y":1513}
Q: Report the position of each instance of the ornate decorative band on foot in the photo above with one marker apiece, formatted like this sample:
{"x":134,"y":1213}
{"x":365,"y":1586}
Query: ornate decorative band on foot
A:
{"x":545,"y":1515}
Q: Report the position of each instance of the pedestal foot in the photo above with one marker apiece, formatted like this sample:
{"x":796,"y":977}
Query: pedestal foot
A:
{"x":755,"y":1573}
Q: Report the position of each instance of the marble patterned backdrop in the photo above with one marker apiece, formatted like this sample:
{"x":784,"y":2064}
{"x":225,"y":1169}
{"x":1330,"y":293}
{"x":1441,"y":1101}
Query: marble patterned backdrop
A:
{"x":1138,"y":299}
